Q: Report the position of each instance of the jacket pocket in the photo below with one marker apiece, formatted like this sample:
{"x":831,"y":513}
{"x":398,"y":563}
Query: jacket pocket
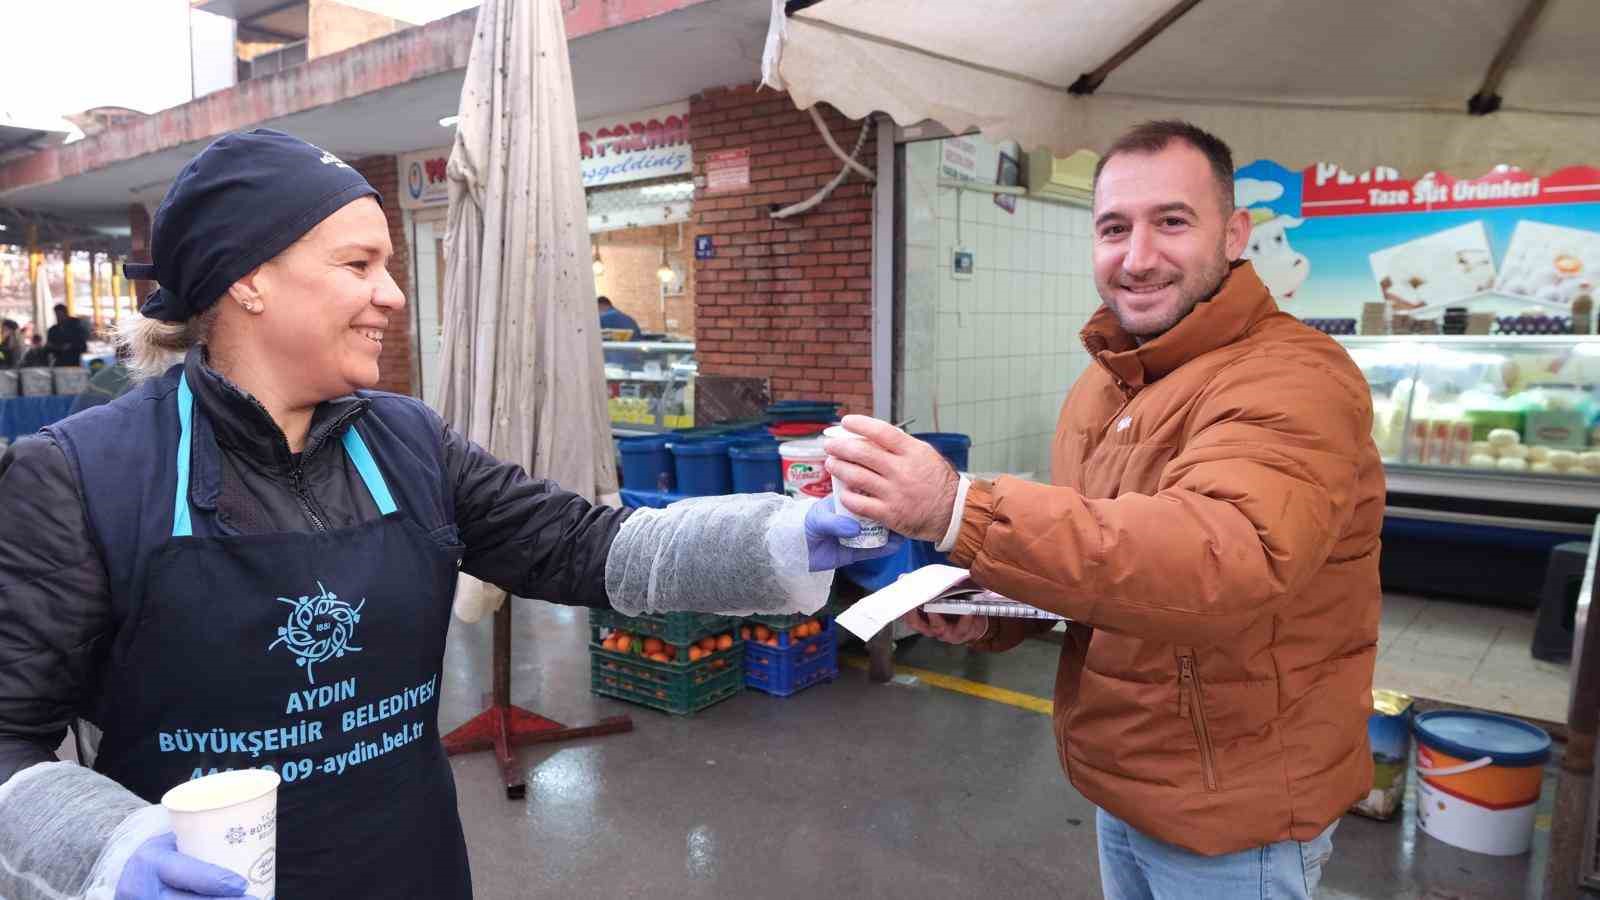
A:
{"x":1192,"y":706}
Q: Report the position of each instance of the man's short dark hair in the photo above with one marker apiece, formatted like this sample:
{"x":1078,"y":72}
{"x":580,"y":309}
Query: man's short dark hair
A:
{"x":9,"y":325}
{"x":60,"y":309}
{"x":603,"y":299}
{"x":1154,"y":136}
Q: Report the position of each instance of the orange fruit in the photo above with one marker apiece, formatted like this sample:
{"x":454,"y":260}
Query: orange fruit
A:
{"x":812,"y":648}
{"x":624,"y":642}
{"x":744,"y":632}
{"x":725,"y":642}
{"x":762,"y":633}
{"x":772,"y":642}
{"x":719,"y":664}
{"x":661,"y":657}
{"x":653,"y":645}
{"x":708,"y":644}
{"x":609,"y":644}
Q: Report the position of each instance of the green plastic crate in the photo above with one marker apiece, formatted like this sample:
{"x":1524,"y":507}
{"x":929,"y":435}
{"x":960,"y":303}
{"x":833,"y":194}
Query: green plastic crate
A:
{"x":674,"y":628}
{"x":670,"y":687}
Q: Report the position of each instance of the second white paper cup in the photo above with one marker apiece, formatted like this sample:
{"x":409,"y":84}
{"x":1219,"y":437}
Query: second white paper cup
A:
{"x":873,"y":534}
{"x":230,"y":819}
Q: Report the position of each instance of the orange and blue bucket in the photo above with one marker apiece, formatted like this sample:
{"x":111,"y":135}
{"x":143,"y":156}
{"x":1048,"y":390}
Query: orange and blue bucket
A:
{"x":1479,"y":778}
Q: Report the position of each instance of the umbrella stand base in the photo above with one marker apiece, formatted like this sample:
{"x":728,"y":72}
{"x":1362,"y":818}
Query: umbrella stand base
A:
{"x":502,"y":727}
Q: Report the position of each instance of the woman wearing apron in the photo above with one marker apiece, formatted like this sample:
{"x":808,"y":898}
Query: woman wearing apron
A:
{"x":248,"y":560}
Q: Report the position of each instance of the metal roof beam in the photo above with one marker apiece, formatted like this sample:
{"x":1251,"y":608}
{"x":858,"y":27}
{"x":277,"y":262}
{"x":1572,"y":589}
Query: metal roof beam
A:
{"x":1089,"y":82}
{"x":1487,"y":99}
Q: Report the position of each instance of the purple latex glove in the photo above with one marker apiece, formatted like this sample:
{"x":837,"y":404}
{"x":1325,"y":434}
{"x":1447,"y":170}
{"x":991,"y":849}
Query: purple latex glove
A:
{"x":157,"y":871}
{"x":825,"y":525}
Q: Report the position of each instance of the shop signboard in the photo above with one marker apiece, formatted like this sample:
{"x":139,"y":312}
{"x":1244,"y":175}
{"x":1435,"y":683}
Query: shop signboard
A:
{"x":651,"y":143}
{"x":1326,"y":241}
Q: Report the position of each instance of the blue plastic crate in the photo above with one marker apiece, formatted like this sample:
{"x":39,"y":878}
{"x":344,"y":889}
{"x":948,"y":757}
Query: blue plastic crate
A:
{"x":787,"y":671}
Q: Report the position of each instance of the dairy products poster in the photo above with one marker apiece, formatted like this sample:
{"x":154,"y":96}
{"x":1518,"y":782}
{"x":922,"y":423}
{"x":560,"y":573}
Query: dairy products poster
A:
{"x":1326,"y":241}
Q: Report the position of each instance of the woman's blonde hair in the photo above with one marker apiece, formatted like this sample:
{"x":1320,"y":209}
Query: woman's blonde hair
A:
{"x":152,"y":346}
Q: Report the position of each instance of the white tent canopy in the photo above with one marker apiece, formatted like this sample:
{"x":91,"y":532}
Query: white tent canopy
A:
{"x":1360,"y":83}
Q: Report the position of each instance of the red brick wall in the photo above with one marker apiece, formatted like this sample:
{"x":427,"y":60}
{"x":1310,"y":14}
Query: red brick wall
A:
{"x":631,"y":257}
{"x":786,"y":299}
{"x":394,"y":365}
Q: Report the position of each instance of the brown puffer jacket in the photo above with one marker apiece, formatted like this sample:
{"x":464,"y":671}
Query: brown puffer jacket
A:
{"x":1213,"y":531}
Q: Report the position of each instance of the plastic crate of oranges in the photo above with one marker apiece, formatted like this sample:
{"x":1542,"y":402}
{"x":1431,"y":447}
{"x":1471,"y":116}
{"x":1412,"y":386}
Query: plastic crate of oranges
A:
{"x":789,"y":661}
{"x":679,"y":678}
{"x":784,"y":632}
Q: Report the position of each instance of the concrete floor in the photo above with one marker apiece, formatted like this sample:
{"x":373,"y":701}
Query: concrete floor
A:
{"x":847,"y":790}
{"x":1468,"y":654}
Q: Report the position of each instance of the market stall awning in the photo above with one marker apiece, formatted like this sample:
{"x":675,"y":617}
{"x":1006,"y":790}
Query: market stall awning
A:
{"x":1359,"y":83}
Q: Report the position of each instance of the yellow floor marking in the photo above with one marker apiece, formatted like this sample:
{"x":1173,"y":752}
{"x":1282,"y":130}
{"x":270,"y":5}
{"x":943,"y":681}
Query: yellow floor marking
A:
{"x":963,"y":686}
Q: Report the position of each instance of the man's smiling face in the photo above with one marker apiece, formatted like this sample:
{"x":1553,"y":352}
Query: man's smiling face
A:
{"x":1163,"y":236}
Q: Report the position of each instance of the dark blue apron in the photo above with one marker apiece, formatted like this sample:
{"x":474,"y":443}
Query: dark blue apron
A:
{"x":316,"y":655}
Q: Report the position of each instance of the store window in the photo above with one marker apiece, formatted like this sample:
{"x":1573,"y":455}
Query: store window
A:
{"x":996,"y":287}
{"x":642,"y":258}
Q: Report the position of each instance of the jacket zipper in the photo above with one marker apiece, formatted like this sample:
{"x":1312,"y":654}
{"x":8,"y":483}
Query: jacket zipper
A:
{"x":1191,"y":706}
{"x":297,"y":483}
{"x":297,"y":477}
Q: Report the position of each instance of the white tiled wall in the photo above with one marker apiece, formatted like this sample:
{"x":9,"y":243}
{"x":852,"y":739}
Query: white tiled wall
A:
{"x":992,"y":356}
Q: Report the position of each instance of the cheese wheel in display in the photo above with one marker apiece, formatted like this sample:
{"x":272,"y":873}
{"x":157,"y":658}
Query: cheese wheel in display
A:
{"x":1512,"y":464}
{"x":1542,"y":468}
{"x":1590,"y":460}
{"x":1481,"y":461}
{"x":1537,"y":454}
{"x":1501,"y":438}
{"x":1481,"y":448}
{"x":1514,"y":451}
{"x":1563,"y":459}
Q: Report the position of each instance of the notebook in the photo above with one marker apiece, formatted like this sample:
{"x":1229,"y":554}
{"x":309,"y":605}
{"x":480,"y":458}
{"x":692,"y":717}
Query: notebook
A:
{"x":943,"y":589}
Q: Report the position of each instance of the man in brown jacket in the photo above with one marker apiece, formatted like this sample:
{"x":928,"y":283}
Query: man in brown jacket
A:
{"x":1211,"y":531}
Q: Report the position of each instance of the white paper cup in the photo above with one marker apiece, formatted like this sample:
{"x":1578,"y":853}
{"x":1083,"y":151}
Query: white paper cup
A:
{"x":873,"y":534}
{"x":230,"y":819}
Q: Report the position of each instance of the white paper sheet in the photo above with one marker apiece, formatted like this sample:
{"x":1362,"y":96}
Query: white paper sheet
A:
{"x":871,"y":613}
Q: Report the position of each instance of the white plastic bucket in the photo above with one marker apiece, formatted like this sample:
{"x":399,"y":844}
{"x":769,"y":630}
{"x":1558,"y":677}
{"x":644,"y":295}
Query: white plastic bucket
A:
{"x":803,"y":472}
{"x":1478,"y":780}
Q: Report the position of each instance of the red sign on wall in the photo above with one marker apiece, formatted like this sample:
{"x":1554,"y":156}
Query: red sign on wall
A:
{"x":728,"y":171}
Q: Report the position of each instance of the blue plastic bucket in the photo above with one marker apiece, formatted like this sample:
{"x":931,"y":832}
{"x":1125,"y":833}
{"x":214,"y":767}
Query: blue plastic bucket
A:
{"x":1479,"y":779}
{"x":702,"y":467}
{"x":757,"y":467}
{"x":950,"y":445}
{"x":646,"y":464}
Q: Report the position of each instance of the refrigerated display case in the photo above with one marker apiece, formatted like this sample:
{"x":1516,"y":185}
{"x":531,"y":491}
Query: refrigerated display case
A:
{"x":1491,"y":453}
{"x":650,"y":385}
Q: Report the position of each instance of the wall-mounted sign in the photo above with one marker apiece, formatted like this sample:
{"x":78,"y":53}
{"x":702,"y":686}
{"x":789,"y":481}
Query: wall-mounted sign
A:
{"x":728,"y":171}
{"x":653,"y":143}
{"x":1326,"y":241}
{"x":704,"y":248}
{"x":422,"y":179}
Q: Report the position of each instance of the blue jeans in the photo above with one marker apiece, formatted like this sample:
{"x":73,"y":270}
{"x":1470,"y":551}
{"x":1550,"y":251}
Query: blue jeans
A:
{"x":1135,"y":866}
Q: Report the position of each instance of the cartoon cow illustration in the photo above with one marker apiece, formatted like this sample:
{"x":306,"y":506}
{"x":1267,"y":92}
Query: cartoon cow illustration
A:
{"x":1281,"y":268}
